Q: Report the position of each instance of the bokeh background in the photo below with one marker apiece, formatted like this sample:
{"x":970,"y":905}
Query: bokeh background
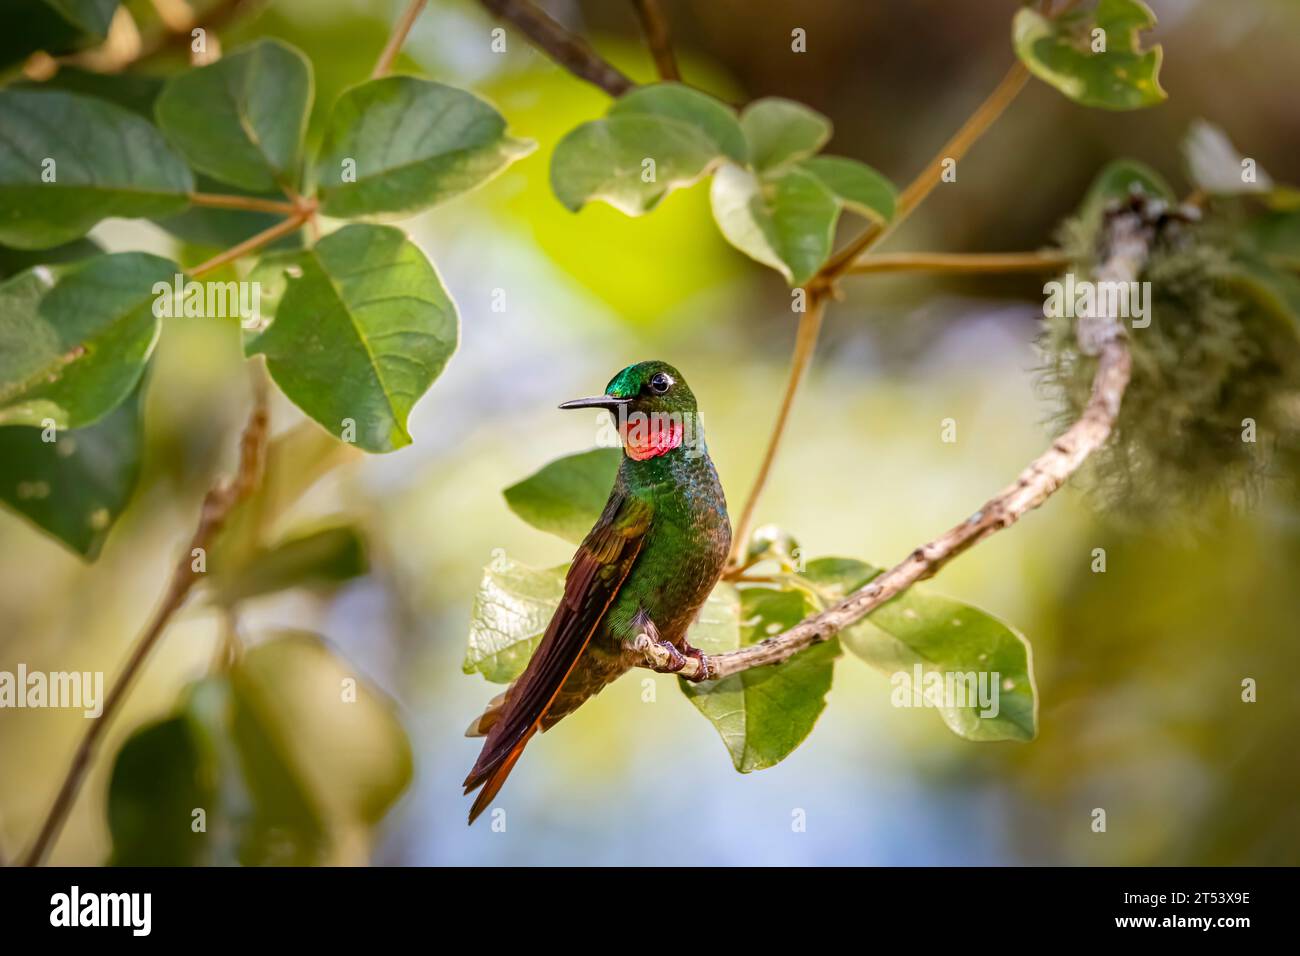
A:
{"x":1139,"y":669}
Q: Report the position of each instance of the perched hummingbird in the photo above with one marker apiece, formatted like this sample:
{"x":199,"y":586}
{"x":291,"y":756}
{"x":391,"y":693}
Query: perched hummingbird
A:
{"x":641,"y":574}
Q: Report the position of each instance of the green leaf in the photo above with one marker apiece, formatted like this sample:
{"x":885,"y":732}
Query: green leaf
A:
{"x":629,"y":161}
{"x":780,"y":130}
{"x":856,"y":185}
{"x":242,"y":119}
{"x":785,"y":220}
{"x":361,"y":330}
{"x":14,"y":261}
{"x":93,"y":16}
{"x":1216,"y":166}
{"x":710,"y":117}
{"x":106,"y":161}
{"x":72,"y":350}
{"x":513,"y":605}
{"x":76,"y":486}
{"x":318,"y":559}
{"x":410,"y":144}
{"x":941,"y":637}
{"x":566,"y":496}
{"x":291,"y":757}
{"x":1060,"y":52}
{"x":764,"y":713}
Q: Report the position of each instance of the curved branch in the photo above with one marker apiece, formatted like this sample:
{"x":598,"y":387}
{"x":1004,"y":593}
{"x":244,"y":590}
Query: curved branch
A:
{"x":1126,"y":244}
{"x":961,"y":262}
{"x":569,"y":51}
{"x":217,"y":505}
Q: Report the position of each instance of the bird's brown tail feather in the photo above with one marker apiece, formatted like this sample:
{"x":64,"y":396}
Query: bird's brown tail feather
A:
{"x":493,"y":781}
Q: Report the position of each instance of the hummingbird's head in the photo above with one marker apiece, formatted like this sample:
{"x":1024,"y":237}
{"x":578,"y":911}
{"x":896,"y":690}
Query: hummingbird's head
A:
{"x":653,"y":407}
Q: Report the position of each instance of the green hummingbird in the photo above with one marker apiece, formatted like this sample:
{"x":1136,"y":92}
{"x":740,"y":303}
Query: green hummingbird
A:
{"x":641,"y":575}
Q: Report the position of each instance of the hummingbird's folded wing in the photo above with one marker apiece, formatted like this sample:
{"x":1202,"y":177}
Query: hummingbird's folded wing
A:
{"x":599,"y":568}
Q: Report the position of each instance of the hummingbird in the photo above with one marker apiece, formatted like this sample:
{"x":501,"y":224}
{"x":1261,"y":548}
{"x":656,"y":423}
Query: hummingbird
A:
{"x":639,"y":577}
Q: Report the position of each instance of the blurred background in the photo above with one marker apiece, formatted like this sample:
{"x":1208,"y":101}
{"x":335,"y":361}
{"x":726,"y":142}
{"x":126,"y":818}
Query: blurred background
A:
{"x":1139,"y":669}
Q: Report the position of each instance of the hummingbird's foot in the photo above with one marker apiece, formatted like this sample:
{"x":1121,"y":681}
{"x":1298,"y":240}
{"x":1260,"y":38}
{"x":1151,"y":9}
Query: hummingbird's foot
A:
{"x":703,"y":672}
{"x":666,"y":657}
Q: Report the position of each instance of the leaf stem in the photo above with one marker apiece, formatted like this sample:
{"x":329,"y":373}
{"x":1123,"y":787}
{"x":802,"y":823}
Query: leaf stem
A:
{"x":961,"y":263}
{"x":567,"y":49}
{"x":250,"y":203}
{"x":395,"y":40}
{"x":658,"y":36}
{"x":217,"y":505}
{"x":252,"y":243}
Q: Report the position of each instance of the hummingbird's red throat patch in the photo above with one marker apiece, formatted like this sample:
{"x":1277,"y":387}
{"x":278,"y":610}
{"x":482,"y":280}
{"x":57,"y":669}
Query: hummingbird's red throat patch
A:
{"x":649,"y":436}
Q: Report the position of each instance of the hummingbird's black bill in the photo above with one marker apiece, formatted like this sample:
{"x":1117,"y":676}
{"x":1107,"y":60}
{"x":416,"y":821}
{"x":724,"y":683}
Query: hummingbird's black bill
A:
{"x":598,"y":401}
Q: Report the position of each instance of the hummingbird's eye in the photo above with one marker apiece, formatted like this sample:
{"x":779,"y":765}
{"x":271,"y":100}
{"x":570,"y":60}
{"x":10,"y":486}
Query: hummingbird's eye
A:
{"x":661,"y":382}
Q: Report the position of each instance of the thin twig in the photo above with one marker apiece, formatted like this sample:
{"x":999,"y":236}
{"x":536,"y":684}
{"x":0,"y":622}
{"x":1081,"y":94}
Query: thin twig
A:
{"x":217,"y":505}
{"x":961,"y":262}
{"x":984,"y":116}
{"x":823,"y":282}
{"x":805,"y":343}
{"x":1128,"y":236}
{"x":569,"y":51}
{"x":396,"y":39}
{"x":250,"y":203}
{"x":252,"y":243}
{"x":658,"y":37}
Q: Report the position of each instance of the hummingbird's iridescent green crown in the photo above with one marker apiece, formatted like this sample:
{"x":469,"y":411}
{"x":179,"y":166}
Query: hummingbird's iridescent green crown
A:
{"x":652,"y":386}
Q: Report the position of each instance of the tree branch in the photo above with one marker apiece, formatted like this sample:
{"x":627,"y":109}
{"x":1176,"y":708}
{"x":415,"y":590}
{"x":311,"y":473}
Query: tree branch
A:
{"x":569,"y":51}
{"x":217,"y":505}
{"x":658,"y":38}
{"x":253,"y":243}
{"x":1127,"y":237}
{"x":960,"y":263}
{"x":250,"y":203}
{"x":805,"y":344}
{"x":395,"y":40}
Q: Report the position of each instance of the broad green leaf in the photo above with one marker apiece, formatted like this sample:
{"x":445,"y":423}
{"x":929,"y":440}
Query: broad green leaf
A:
{"x":513,"y":605}
{"x":785,"y":220}
{"x":101,"y":160}
{"x":855,"y":184}
{"x":764,"y":713}
{"x":71,"y":350}
{"x":1067,"y":53}
{"x":76,"y":486}
{"x":1116,"y":181}
{"x":942,"y":640}
{"x":14,"y":261}
{"x":630,"y":161}
{"x":1216,"y":166}
{"x":93,"y":16}
{"x":566,"y":496}
{"x":160,"y":777}
{"x":318,"y":559}
{"x":291,"y":756}
{"x":242,"y":119}
{"x":711,"y":117}
{"x":361,"y":330}
{"x":397,"y":145}
{"x":780,"y":130}
{"x":340,"y":733}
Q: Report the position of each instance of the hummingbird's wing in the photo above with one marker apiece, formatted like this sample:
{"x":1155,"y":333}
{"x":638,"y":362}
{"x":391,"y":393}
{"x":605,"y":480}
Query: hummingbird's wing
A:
{"x":599,"y":568}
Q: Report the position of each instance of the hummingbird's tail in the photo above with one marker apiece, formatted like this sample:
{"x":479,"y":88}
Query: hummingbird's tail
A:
{"x":493,"y":777}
